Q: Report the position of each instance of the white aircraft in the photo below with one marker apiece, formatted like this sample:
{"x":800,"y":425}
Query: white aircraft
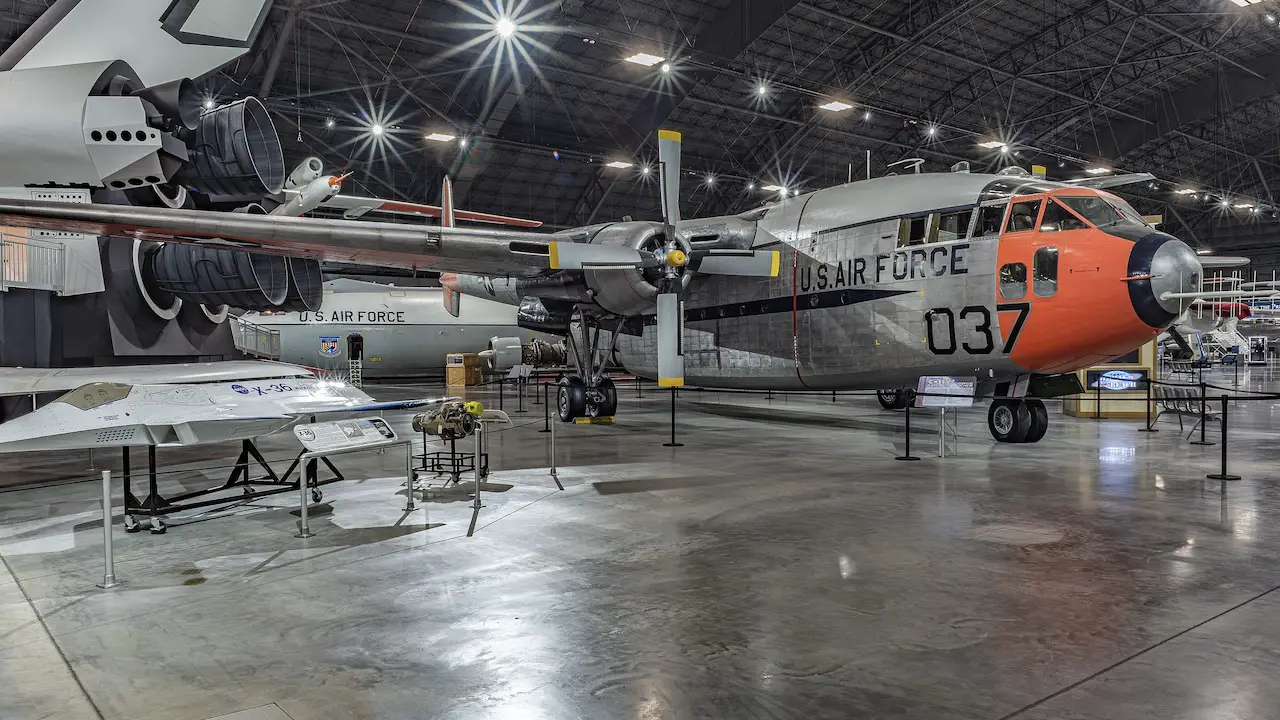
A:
{"x":174,"y":405}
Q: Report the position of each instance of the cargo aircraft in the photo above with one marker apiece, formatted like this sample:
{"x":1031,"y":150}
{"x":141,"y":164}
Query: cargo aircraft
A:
{"x":1012,"y":280}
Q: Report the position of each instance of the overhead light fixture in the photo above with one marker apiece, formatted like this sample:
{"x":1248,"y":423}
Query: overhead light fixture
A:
{"x":773,"y":188}
{"x":933,"y":130}
{"x":795,"y":192}
{"x":330,"y":123}
{"x":377,"y":130}
{"x":208,"y":104}
{"x":1097,"y":170}
{"x":504,"y":27}
{"x":440,"y":137}
{"x":1185,"y":191}
{"x":835,"y":106}
{"x":1226,"y":203}
{"x":992,"y":144}
{"x":1242,"y":206}
{"x":711,"y":180}
{"x":620,"y":164}
{"x":866,"y":115}
{"x":644,"y":170}
{"x":1204,"y":251}
{"x":462,"y":142}
{"x":666,"y":67}
{"x":751,"y":186}
{"x":644,"y":59}
{"x":762,"y":90}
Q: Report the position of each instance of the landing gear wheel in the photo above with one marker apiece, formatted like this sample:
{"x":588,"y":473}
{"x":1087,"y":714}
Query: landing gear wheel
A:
{"x":608,"y":405}
{"x":131,"y":524}
{"x":1039,"y":420}
{"x":316,"y":495}
{"x":1009,"y":420}
{"x":158,"y":527}
{"x":892,"y":399}
{"x":571,"y":398}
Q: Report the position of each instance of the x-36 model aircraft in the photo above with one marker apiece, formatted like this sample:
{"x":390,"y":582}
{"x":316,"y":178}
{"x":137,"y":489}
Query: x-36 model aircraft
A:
{"x":869,"y":285}
{"x":173,"y":405}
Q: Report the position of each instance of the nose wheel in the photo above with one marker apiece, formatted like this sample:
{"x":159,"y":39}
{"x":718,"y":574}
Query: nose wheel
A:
{"x":1017,"y":421}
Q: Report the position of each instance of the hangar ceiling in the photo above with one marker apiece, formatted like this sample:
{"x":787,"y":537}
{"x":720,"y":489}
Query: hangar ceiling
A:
{"x":1185,"y":89}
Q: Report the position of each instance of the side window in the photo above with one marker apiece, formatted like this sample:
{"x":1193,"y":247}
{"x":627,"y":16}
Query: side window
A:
{"x":1045,"y":269}
{"x":1057,"y":217}
{"x":989,"y":219}
{"x":913,"y":231}
{"x":1013,"y":281}
{"x":954,"y":226}
{"x":1023,"y":216}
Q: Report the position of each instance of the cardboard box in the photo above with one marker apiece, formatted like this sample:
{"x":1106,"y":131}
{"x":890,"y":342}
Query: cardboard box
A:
{"x":460,"y":375}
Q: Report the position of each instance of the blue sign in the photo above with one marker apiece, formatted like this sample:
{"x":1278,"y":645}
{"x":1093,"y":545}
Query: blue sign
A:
{"x":330,"y":347}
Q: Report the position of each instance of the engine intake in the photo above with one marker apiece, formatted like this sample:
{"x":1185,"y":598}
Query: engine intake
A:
{"x":215,"y":276}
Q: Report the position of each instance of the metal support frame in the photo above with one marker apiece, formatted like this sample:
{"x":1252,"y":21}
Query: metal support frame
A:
{"x":108,"y":550}
{"x":309,"y":481}
{"x":1222,"y":474}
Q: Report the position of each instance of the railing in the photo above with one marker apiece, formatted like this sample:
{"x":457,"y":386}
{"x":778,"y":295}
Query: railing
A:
{"x":31,"y":264}
{"x":255,"y":340}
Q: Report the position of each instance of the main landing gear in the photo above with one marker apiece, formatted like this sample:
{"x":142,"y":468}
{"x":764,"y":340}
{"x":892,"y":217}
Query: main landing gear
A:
{"x":588,"y":393}
{"x":1017,"y":421}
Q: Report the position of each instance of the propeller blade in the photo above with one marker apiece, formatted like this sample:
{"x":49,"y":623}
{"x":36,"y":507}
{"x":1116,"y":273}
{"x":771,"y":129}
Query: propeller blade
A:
{"x":669,"y":162}
{"x":670,"y":340}
{"x":743,"y":263}
{"x":585,"y":256}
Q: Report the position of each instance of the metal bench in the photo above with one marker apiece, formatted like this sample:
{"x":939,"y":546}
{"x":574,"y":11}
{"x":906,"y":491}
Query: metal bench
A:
{"x":1181,"y":402}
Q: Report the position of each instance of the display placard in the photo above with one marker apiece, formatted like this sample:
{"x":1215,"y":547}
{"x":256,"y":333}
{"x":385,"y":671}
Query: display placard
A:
{"x":945,"y":391}
{"x":1116,"y":380}
{"x":344,"y":434}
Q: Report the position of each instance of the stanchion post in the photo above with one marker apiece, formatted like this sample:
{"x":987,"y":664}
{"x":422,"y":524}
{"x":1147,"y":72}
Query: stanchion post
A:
{"x":304,"y":479}
{"x":1097,"y":399}
{"x":906,"y":455}
{"x":833,"y":396}
{"x":1147,"y":427}
{"x":502,"y":386}
{"x":673,"y":442}
{"x":108,"y":551}
{"x":546,"y":410}
{"x":1222,"y":474}
{"x":1202,"y":440}
{"x":479,"y":451}
{"x":409,"y":475}
{"x":520,"y":395}
{"x":638,"y":394}
{"x":1235,"y":371}
{"x":555,"y":475}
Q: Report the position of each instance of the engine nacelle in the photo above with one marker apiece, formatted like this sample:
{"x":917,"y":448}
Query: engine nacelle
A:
{"x":307,"y":170}
{"x":628,"y":292}
{"x":505,"y":353}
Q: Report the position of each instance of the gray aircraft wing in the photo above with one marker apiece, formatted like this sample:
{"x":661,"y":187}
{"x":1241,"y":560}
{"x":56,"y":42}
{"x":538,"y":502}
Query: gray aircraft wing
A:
{"x":413,"y":247}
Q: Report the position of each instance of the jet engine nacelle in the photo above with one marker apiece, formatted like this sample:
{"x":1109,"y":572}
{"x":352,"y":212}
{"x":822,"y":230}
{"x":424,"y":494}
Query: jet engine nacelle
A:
{"x":505,"y":353}
{"x":307,"y":170}
{"x":628,"y":291}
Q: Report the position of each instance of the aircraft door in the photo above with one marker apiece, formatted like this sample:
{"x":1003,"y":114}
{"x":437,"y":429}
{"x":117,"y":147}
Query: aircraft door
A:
{"x":1025,"y":276}
{"x":355,"y":347}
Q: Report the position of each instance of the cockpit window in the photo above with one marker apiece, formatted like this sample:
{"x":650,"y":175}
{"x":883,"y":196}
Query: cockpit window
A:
{"x":1100,"y":212}
{"x":88,"y":397}
{"x":1058,"y":218}
{"x":1023,"y":216}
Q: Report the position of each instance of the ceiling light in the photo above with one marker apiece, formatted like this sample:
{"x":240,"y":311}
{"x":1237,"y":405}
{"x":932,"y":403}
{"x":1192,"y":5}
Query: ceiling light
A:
{"x":1271,"y":18}
{"x":751,"y":186}
{"x":1186,"y":191}
{"x":505,"y":27}
{"x":644,"y":170}
{"x":644,"y":59}
{"x":1097,"y":170}
{"x":1226,"y":203}
{"x":1242,"y":206}
{"x":1241,"y":3}
{"x":933,"y":130}
{"x":795,"y":192}
{"x":866,"y":115}
{"x":208,"y":104}
{"x":462,"y":142}
{"x":992,"y":144}
{"x":773,"y":188}
{"x":440,"y":137}
{"x":1004,"y":148}
{"x":1204,"y":251}
{"x":711,"y":180}
{"x":666,"y":67}
{"x":330,"y":123}
{"x":620,"y":164}
{"x":376,"y":130}
{"x":762,"y":90}
{"x":835,"y":106}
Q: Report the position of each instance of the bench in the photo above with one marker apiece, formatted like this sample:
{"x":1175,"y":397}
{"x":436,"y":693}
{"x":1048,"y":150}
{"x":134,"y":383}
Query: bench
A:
{"x":1182,"y":402}
{"x":1181,"y":367}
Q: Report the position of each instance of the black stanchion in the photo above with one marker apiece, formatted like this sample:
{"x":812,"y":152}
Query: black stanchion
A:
{"x":537,"y":399}
{"x":1147,"y":427}
{"x":833,"y":396}
{"x":1202,"y":440}
{"x":673,"y":442}
{"x":1223,"y":475}
{"x":1097,"y":400}
{"x":520,"y":385}
{"x":906,"y":453}
{"x":546,"y":410}
{"x":638,"y":394}
{"x":1235,"y":371}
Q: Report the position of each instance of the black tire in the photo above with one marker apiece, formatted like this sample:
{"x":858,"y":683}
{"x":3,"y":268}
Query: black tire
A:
{"x":571,"y":398}
{"x":1009,"y":420}
{"x":1039,"y":421}
{"x":892,"y":399}
{"x":609,"y":407}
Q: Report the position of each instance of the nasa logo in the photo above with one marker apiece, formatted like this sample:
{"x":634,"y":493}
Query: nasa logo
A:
{"x":240,"y":389}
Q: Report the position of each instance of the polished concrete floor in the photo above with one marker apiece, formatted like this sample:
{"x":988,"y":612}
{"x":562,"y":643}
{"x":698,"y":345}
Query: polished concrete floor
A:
{"x":781,"y":564}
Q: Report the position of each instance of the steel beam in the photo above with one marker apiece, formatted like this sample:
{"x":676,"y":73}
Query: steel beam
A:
{"x":277,"y":53}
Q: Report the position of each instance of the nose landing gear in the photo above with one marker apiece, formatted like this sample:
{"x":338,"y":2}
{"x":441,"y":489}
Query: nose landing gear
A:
{"x":589,"y":393}
{"x":1017,"y":421}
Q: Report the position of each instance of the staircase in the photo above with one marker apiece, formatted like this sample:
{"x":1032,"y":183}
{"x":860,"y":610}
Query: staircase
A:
{"x":255,"y":340}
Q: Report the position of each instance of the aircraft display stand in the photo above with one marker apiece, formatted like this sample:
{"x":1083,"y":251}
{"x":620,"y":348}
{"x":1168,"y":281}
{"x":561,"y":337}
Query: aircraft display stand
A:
{"x":451,"y":462}
{"x":154,"y":506}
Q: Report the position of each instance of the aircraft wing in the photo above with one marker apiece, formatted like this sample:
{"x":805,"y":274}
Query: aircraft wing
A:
{"x":1098,"y":183}
{"x":413,"y":247}
{"x":28,"y":381}
{"x":354,"y":207}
